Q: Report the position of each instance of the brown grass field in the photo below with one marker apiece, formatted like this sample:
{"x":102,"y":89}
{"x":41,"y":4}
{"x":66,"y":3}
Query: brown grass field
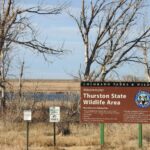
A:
{"x":45,"y":85}
{"x":82,"y":136}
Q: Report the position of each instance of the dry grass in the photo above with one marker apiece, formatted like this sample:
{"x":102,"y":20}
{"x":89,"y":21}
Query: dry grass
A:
{"x":40,"y":110}
{"x":83,"y":136}
{"x":45,"y":85}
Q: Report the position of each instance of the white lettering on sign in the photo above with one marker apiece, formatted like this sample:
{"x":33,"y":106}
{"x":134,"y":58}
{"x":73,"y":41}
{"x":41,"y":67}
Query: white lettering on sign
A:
{"x":27,"y":115}
{"x":104,"y":96}
{"x":54,"y":114}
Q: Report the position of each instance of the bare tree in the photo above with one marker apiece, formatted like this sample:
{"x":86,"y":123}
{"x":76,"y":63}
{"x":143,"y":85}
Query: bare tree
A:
{"x":108,"y":30}
{"x":147,"y":64}
{"x":16,"y":29}
{"x":145,"y":47}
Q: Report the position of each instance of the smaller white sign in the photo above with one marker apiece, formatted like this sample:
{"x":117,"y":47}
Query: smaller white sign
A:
{"x":54,"y":114}
{"x":27,"y":115}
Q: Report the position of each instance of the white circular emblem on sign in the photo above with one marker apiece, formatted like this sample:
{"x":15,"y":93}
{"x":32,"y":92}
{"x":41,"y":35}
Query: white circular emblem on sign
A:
{"x":142,"y":99}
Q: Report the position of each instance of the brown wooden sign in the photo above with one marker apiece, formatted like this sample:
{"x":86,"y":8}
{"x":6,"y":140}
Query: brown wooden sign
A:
{"x":115,"y":102}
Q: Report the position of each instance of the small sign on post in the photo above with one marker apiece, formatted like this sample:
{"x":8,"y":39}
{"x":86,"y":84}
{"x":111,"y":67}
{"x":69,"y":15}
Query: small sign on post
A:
{"x":27,"y":117}
{"x":54,"y":116}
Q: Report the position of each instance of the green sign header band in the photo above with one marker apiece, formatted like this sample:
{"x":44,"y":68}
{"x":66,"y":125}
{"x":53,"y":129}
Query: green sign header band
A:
{"x":117,"y":84}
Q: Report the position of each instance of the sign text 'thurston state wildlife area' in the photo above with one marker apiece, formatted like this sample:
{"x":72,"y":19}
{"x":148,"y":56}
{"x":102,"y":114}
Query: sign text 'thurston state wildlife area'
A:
{"x":115,"y":102}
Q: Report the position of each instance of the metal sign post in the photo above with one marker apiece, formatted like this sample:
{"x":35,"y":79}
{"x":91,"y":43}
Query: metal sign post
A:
{"x":27,"y":138}
{"x":27,"y":118}
{"x":102,"y":133}
{"x":140,"y":136}
{"x":54,"y":114}
{"x":54,"y":126}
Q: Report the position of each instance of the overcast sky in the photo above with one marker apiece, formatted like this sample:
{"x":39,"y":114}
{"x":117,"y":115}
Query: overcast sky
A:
{"x":57,"y":30}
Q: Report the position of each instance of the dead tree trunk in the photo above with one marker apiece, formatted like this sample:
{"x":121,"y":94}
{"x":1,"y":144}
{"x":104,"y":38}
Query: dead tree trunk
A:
{"x":20,"y":80}
{"x":2,"y":82}
{"x":147,"y":67}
